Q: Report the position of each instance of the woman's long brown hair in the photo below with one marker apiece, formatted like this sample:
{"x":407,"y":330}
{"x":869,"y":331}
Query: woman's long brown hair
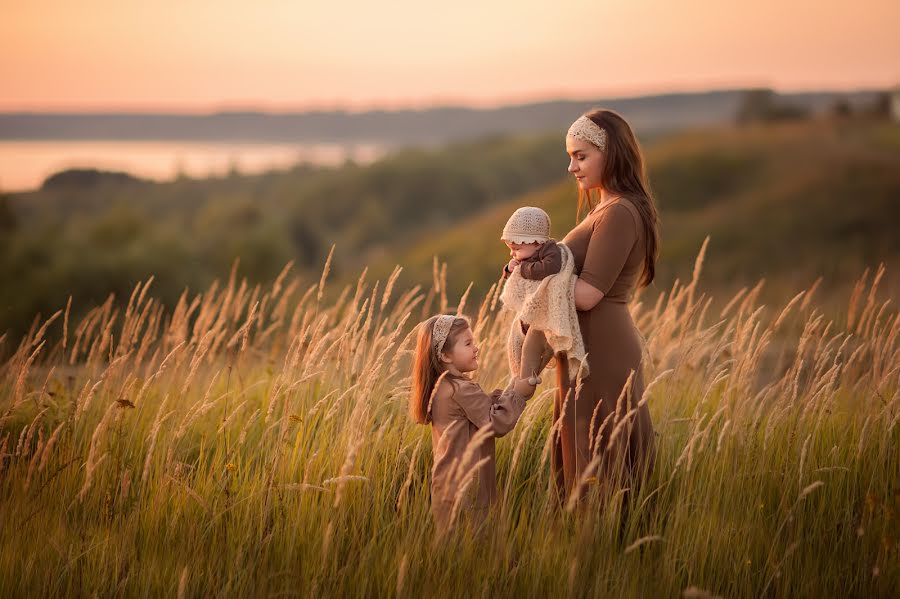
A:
{"x":427,"y":367}
{"x":624,"y":174}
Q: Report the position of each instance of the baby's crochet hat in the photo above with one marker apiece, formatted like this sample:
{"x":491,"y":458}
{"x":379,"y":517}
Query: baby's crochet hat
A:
{"x":527,"y":225}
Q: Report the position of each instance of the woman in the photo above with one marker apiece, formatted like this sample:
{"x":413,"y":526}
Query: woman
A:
{"x":615,"y":249}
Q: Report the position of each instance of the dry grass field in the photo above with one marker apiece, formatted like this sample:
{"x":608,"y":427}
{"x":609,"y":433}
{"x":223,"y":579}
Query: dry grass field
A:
{"x":254,"y":441}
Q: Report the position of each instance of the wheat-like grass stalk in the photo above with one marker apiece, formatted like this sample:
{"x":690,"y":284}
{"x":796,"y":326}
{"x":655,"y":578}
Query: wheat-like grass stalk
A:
{"x":743,"y":399}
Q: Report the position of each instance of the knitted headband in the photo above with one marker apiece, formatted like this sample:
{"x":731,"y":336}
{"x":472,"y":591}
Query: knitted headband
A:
{"x":589,"y":131}
{"x":442,"y":326}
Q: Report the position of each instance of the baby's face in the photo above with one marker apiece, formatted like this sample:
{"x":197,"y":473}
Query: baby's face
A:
{"x":522,"y":251}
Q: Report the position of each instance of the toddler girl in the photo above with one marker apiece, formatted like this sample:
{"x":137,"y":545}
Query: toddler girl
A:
{"x":464,"y":419}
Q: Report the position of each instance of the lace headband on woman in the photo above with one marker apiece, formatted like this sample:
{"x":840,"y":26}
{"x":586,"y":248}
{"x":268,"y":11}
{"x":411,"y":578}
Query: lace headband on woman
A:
{"x":586,"y":129}
{"x":442,"y":326}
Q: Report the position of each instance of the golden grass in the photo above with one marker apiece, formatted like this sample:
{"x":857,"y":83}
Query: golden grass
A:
{"x":255,"y":441}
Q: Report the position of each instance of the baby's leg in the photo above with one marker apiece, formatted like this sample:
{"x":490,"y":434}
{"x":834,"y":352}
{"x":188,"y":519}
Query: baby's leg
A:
{"x":536,"y":353}
{"x":514,"y":348}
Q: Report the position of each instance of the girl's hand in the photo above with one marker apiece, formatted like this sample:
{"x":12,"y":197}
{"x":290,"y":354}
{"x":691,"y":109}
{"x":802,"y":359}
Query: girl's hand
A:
{"x":513,"y":263}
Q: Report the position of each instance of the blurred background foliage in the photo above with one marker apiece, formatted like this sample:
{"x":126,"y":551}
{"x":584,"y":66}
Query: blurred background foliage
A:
{"x":787,"y":199}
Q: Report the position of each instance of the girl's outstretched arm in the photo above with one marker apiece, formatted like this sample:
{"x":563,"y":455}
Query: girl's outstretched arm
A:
{"x":500,"y":413}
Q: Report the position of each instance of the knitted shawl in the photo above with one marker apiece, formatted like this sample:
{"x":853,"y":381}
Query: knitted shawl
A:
{"x":549,"y":306}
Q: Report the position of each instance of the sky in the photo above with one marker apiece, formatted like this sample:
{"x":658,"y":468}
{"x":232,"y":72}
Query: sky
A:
{"x":199,"y":56}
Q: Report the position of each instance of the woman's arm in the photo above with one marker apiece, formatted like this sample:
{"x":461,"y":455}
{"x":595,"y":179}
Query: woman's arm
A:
{"x":613,"y":236}
{"x":586,"y":295}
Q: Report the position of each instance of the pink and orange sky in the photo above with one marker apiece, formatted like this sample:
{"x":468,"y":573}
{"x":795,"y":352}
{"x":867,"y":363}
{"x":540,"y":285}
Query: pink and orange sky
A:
{"x":199,"y":55}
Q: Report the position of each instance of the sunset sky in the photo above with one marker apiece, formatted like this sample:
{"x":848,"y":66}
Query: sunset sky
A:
{"x":193,"y":55}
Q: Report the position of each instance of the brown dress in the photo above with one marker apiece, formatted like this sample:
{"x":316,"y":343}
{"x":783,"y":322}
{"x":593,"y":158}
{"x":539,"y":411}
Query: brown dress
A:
{"x":465,"y":421}
{"x":609,"y":248}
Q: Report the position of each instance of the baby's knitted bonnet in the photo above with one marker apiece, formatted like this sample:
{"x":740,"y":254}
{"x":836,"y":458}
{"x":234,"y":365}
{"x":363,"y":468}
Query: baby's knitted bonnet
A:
{"x":527,"y":225}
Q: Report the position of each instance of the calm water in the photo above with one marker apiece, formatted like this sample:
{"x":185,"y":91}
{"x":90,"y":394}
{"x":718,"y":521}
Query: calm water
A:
{"x":25,"y":164}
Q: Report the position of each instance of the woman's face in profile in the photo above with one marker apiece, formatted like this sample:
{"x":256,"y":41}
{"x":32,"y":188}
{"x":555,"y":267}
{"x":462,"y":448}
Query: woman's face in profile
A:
{"x":585,"y":162}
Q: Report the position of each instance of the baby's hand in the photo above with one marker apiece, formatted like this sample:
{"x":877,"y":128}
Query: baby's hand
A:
{"x":526,"y":387}
{"x":513,"y":263}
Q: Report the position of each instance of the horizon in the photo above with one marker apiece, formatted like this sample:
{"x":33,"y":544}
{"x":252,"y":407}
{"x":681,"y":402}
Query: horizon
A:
{"x":437,"y":104}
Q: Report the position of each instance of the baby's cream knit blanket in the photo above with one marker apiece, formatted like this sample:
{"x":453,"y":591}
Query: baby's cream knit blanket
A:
{"x":549,"y":306}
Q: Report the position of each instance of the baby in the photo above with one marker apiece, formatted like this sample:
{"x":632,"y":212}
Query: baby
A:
{"x":536,"y":256}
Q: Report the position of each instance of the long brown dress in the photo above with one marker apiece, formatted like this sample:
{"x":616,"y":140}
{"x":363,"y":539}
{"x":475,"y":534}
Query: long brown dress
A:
{"x":609,"y":248}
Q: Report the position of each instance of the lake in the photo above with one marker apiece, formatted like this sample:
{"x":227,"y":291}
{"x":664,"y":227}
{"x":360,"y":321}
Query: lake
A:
{"x":24,"y":164}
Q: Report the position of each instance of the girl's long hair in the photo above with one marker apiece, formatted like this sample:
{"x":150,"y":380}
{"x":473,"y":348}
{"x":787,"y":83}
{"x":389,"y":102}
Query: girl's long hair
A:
{"x":624,"y":174}
{"x":427,"y":367}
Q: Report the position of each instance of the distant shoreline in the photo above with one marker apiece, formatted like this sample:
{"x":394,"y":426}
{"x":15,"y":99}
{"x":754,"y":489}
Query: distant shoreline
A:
{"x":431,"y":126}
{"x":26,"y":163}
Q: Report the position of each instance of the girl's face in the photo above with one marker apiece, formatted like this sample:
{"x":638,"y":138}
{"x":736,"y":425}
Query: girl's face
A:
{"x":585,"y":162}
{"x":464,"y":354}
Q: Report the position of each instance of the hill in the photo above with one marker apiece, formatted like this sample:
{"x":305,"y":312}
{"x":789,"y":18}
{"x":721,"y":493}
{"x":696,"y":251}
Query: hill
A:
{"x":787,"y":203}
{"x":89,"y":241}
{"x":432,"y":126}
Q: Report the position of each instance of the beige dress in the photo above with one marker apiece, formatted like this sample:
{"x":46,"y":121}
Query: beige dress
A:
{"x":464,"y":422}
{"x":609,"y":249}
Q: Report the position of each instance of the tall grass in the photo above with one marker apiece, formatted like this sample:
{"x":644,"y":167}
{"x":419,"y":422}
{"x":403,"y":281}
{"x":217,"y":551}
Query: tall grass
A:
{"x":254,"y":441}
